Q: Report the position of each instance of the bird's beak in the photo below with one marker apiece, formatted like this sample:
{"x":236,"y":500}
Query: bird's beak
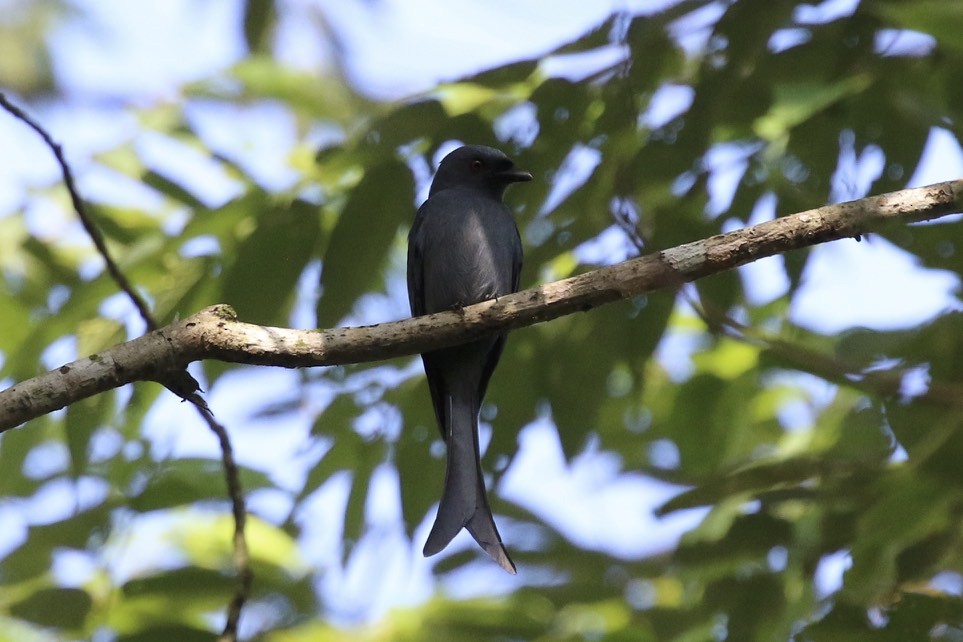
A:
{"x":514,"y":175}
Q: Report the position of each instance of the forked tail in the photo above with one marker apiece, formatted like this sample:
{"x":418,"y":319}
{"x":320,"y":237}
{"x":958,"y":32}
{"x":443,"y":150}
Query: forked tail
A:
{"x":464,"y":502}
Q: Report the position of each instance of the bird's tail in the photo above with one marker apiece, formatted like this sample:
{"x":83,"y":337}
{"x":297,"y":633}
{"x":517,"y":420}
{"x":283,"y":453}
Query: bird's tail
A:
{"x":464,"y":502}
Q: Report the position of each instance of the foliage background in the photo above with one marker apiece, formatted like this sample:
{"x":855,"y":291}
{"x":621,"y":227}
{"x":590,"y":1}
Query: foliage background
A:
{"x":801,"y":449}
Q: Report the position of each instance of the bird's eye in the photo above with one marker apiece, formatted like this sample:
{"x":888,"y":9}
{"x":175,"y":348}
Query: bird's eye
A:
{"x":477,"y":164}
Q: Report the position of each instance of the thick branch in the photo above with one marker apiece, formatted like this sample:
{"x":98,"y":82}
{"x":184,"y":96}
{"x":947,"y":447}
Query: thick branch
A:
{"x":215,"y":333}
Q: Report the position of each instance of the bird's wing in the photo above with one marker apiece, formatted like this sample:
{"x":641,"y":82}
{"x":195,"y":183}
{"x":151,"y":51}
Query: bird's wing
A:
{"x":516,"y":262}
{"x":416,"y":283}
{"x":496,"y":351}
{"x":416,"y":300}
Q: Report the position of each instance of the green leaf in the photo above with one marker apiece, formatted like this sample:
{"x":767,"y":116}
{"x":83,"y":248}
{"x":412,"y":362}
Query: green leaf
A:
{"x":908,"y":510}
{"x":259,"y":18}
{"x":82,"y":420}
{"x":185,"y":481}
{"x":941,"y":19}
{"x":165,"y":633}
{"x":188,"y":584}
{"x":260,"y":283}
{"x":171,"y":189}
{"x":796,"y":102}
{"x":362,"y":237}
{"x":65,"y":608}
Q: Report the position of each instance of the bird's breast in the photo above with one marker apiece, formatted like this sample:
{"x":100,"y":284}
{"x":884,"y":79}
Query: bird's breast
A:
{"x":470,"y":259}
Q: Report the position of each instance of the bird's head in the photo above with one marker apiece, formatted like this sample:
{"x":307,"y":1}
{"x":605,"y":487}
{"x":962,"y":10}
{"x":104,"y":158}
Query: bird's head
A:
{"x":477,"y":167}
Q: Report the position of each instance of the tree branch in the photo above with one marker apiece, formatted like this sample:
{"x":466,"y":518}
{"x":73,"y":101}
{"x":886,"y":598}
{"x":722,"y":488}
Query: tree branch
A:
{"x":215,"y":333}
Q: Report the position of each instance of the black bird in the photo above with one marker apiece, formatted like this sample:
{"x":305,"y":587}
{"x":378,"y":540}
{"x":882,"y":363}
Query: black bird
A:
{"x":464,"y":248}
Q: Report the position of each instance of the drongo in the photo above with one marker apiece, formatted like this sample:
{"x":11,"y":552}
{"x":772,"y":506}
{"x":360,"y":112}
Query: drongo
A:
{"x":464,"y":248}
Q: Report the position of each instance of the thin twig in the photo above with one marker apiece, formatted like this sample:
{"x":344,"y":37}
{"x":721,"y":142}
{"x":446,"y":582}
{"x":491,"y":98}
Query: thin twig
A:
{"x":81,"y":210}
{"x":242,"y":562}
{"x":623,"y":218}
{"x":886,"y":383}
{"x":178,"y":381}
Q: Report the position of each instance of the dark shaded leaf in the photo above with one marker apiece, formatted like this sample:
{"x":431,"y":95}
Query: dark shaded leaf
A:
{"x":259,"y":18}
{"x":267,"y":264}
{"x":185,"y":481}
{"x":359,"y":243}
{"x":65,"y":608}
